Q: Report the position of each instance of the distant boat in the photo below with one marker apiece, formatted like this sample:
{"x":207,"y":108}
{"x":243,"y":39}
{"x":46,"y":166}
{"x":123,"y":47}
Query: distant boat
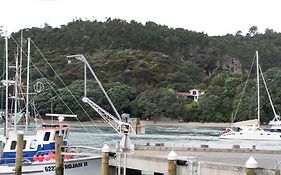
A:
{"x":39,"y":148}
{"x":250,"y":129}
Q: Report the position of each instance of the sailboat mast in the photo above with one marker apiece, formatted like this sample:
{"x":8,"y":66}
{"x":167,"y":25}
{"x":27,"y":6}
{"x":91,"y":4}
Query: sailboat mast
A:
{"x":27,"y":86}
{"x":20,"y":67}
{"x":258,"y":86}
{"x":6,"y":132}
{"x":16,"y":92}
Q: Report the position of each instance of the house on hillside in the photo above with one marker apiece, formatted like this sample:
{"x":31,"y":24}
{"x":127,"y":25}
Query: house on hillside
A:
{"x":192,"y":94}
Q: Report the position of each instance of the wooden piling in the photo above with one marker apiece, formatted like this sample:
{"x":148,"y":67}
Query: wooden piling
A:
{"x":251,"y":166}
{"x":250,"y":171}
{"x":172,"y":168}
{"x":18,"y":166}
{"x":105,"y":160}
{"x":59,"y":158}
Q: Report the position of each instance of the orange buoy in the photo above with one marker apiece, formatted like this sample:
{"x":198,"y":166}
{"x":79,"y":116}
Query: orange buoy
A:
{"x":35,"y":158}
{"x":40,"y":158}
{"x":52,"y":156}
{"x":47,"y":157}
{"x":67,"y":156}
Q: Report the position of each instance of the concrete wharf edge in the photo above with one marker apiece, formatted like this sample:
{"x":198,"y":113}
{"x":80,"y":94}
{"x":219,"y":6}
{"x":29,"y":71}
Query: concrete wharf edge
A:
{"x":205,"y":159}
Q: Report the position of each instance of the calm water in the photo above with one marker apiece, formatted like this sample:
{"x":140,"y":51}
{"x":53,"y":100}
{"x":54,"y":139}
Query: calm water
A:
{"x":175,"y":136}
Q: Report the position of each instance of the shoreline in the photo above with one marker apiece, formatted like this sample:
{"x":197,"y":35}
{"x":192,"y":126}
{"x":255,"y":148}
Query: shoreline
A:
{"x":185,"y":124}
{"x":172,"y":123}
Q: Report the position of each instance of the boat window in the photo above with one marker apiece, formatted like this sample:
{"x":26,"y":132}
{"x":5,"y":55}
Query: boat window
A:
{"x":1,"y":144}
{"x":13,"y":145}
{"x":33,"y":144}
{"x":66,"y":134}
{"x":24,"y":144}
{"x":47,"y":136}
{"x":62,"y":133}
{"x":57,"y":133}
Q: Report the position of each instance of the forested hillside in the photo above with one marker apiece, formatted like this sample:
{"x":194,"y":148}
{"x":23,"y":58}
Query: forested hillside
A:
{"x":144,"y":66}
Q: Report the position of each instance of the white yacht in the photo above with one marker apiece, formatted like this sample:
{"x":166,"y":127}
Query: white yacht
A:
{"x":250,"y":129}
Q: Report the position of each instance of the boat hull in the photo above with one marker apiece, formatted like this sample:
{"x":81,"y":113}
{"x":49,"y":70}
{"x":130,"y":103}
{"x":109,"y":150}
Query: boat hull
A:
{"x":85,"y":166}
{"x":252,"y":136}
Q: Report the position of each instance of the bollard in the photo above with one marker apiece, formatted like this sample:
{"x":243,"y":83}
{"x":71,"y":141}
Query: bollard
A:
{"x":105,"y":160}
{"x":251,"y":166}
{"x":18,"y":166}
{"x":204,"y":146}
{"x":172,"y":168}
{"x":59,"y":158}
{"x":253,"y":147}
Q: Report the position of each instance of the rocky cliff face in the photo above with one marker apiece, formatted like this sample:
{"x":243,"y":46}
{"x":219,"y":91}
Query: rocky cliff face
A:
{"x":229,"y":63}
{"x":210,"y":62}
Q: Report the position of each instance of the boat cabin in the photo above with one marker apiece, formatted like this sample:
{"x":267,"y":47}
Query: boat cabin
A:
{"x":40,"y":144}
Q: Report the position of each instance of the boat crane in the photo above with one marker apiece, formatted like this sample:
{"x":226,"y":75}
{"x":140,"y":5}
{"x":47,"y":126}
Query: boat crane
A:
{"x":116,"y":123}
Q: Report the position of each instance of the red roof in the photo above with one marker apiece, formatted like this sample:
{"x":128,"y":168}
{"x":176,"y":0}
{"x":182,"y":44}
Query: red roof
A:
{"x":184,"y":93}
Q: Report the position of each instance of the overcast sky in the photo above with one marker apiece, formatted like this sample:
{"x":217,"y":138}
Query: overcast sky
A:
{"x":214,"y":17}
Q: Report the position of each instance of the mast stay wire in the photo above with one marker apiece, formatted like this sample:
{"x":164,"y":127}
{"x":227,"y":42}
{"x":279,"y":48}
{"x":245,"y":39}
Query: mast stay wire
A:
{"x":243,"y":92}
{"x":62,"y":82}
{"x":57,"y":94}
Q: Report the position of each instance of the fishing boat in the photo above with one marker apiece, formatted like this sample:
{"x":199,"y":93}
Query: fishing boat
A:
{"x":39,"y":145}
{"x":251,"y":129}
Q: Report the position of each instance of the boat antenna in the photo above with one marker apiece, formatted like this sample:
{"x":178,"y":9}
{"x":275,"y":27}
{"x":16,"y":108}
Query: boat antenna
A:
{"x":16,"y":92}
{"x":27,"y":86}
{"x":6,"y":132}
{"x":21,"y":51}
{"x":2,"y":87}
{"x":258,"y":86}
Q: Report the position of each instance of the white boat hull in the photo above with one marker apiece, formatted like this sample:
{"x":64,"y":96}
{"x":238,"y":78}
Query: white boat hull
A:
{"x":85,"y":166}
{"x":252,"y":136}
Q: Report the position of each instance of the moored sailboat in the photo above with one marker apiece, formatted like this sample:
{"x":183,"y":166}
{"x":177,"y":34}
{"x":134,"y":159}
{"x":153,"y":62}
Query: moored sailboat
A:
{"x":251,"y":129}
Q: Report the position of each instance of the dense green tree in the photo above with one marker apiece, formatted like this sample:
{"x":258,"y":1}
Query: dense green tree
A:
{"x":217,"y":103}
{"x":253,"y":30}
{"x":136,"y":63}
{"x":161,"y":103}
